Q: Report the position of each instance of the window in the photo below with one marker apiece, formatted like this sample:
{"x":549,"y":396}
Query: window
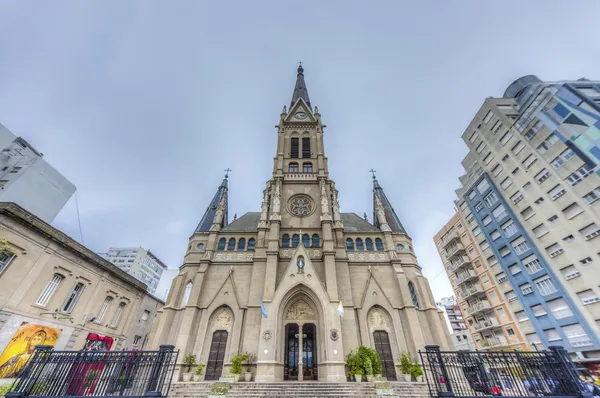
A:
{"x":293,"y":167}
{"x":592,"y":196}
{"x":554,"y":250}
{"x":145,"y":315}
{"x":529,"y":161}
{"x":499,"y":212}
{"x":472,"y":195}
{"x":532,"y":338}
{"x":359,"y":245}
{"x":285,"y":240}
{"x":413,"y":294}
{"x":463,"y":206}
{"x":559,"y":308}
{"x":515,"y":171}
{"x":538,"y":310}
{"x":222,"y":243}
{"x":73,"y":297}
{"x":545,"y":285}
{"x":136,"y":340}
{"x":590,"y":232}
{"x":588,"y":297}
{"x":507,"y":182}
{"x":511,"y":296}
{"x":487,"y":220}
{"x":572,"y":210}
{"x":488,"y":117}
{"x":586,"y":261}
{"x":484,"y":245}
{"x":495,"y":235}
{"x":478,"y":207}
{"x":490,"y":199}
{"x":459,"y":226}
{"x":557,"y":192}
{"x":505,"y":158}
{"x":294,"y":149}
{"x":115,"y":319}
{"x":519,"y":245}
{"x":241,"y":244}
{"x":317,"y":243}
{"x":349,"y":245}
{"x":488,"y":158}
{"x":473,"y":137}
{"x":570,"y":272}
{"x":568,"y":239}
{"x":471,"y":251}
{"x":521,"y":316}
{"x":306,"y":149}
{"x":497,"y":170}
{"x":526,"y":289}
{"x":527,"y":186}
{"x":532,"y":264}
{"x":369,"y":244}
{"x":514,"y":269}
{"x":476,"y":231}
{"x":542,"y":148}
{"x":553,"y":218}
{"x":542,"y":176}
{"x":231,"y":244}
{"x":540,"y":230}
{"x":186,"y":294}
{"x":497,"y":126}
{"x":552,"y":334}
{"x":481,"y":147}
{"x":576,"y":335}
{"x":530,"y":134}
{"x":307,"y":167}
{"x":501,"y":277}
{"x":509,"y":228}
{"x":378,"y":244}
{"x":518,"y":148}
{"x":539,"y":200}
{"x":305,"y":240}
{"x":483,"y":186}
{"x":251,"y":244}
{"x":470,"y":218}
{"x":517,"y":197}
{"x":103,"y":309}
{"x":505,"y":138}
{"x":5,"y":258}
{"x":504,"y":251}
{"x":295,"y":240}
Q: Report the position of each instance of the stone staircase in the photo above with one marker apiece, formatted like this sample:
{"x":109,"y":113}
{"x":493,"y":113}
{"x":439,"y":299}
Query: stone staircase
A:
{"x":305,"y":389}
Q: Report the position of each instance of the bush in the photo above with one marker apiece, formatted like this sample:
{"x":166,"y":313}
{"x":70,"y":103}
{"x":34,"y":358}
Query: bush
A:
{"x":250,"y":360}
{"x":199,"y":369}
{"x":371,"y":363}
{"x":405,"y":362}
{"x":416,"y":370}
{"x":354,"y":364}
{"x":236,"y":363}
{"x":189,"y":361}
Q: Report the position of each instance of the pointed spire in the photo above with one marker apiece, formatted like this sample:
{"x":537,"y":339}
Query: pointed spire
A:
{"x":206,"y":222}
{"x":379,"y":199}
{"x":300,"y":90}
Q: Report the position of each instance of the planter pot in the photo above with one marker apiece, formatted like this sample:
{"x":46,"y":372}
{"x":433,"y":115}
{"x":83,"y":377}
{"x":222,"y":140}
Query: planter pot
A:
{"x":187,"y":377}
{"x":378,"y":376}
{"x":406,"y":377}
{"x":247,"y":376}
{"x":420,"y":379}
{"x":236,"y":378}
{"x":197,"y":377}
{"x":358,"y":378}
{"x":369,"y":378}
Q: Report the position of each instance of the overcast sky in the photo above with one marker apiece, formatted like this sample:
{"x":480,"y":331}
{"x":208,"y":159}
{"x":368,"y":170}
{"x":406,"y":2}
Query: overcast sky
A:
{"x":143,"y":104}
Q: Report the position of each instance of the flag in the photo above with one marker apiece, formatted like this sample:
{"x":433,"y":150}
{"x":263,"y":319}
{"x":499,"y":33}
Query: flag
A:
{"x":340,"y":309}
{"x":263,"y":309}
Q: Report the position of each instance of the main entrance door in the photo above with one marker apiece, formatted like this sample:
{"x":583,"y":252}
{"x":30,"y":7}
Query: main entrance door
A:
{"x":214,"y":367}
{"x":293,"y":342}
{"x":382,"y":346}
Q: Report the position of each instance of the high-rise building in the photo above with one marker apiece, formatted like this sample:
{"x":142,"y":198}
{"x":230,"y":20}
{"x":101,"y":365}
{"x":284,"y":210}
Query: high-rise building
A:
{"x":139,"y":262}
{"x":299,"y":283}
{"x":488,"y":318}
{"x":456,"y":324}
{"x":28,"y":180}
{"x":530,"y":200}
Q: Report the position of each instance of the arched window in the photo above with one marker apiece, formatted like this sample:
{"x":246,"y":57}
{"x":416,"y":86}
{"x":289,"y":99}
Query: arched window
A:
{"x":73,"y":297}
{"x":307,"y":167}
{"x":222,"y":243}
{"x":359,"y":245}
{"x":369,"y":244}
{"x":103,"y":309}
{"x":115,"y":319}
{"x":315,"y":241}
{"x":186,"y":294}
{"x":413,"y":294}
{"x":349,"y":245}
{"x":306,"y":147}
{"x":49,"y":290}
{"x":306,"y":240}
{"x":293,"y":168}
{"x":285,"y":241}
{"x":241,"y":244}
{"x":251,"y":244}
{"x":231,"y":245}
{"x":295,"y":240}
{"x":378,"y":244}
{"x":294,"y":148}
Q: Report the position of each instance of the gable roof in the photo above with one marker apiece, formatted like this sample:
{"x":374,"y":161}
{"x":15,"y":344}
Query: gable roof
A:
{"x":354,"y":223}
{"x":246,"y":223}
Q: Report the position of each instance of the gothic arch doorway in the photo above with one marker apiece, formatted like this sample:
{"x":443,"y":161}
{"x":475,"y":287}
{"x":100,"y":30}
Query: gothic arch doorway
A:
{"x":381,"y":327}
{"x":300,"y":342}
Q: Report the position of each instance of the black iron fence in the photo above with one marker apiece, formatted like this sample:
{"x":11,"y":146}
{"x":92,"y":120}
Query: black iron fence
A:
{"x":96,"y":373}
{"x":466,"y":374}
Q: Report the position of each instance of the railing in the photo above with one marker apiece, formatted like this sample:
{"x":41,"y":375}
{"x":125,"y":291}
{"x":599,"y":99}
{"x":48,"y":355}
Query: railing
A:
{"x":525,"y":374}
{"x":469,"y":291}
{"x":464,"y":260}
{"x":454,"y":250}
{"x":454,"y":235}
{"x":97,"y":373}
{"x":480,"y":306}
{"x":465,"y":276}
{"x":487,"y":324}
{"x":493,"y":342}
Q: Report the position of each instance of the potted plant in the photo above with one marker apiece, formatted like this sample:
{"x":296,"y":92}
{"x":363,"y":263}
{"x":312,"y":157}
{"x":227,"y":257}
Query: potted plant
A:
{"x":384,"y":389}
{"x":199,"y":371}
{"x":189,"y":361}
{"x":236,"y":365}
{"x":250,"y":360}
{"x":416,"y":371}
{"x":354,"y":366}
{"x":405,"y":365}
{"x":219,"y":389}
{"x":368,"y":368}
{"x":376,"y":361}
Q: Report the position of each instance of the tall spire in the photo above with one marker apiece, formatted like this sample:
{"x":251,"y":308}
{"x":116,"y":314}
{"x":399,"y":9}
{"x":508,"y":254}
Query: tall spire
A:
{"x":206,"y":222}
{"x":379,"y":199}
{"x":300,"y":90}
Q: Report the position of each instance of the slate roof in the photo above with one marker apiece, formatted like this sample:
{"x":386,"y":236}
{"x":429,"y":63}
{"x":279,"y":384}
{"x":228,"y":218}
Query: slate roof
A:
{"x":354,"y":223}
{"x":300,"y":90}
{"x":209,"y":215}
{"x":246,"y":223}
{"x":390,"y":214}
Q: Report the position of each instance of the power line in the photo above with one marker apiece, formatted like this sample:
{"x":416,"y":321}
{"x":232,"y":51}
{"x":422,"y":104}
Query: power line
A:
{"x":78,"y":217}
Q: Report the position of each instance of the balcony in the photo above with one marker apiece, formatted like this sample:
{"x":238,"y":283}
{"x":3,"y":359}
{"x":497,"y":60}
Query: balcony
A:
{"x":472,"y":290}
{"x":450,"y":238}
{"x":493,"y":342}
{"x":460,"y":262}
{"x":478,"y":307}
{"x":455,"y":251}
{"x":466,"y":276}
{"x":487,"y":324}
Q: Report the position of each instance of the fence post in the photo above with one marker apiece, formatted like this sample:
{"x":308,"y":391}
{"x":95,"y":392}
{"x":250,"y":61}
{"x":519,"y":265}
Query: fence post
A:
{"x":31,"y":372}
{"x":436,"y":363}
{"x":571,"y":371}
{"x":162,"y":363}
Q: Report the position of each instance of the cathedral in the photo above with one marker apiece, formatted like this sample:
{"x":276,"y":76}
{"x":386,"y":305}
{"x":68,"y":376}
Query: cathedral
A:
{"x":299,"y":283}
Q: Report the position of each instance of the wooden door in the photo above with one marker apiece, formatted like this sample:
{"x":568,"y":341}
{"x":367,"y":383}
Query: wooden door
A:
{"x":382,"y":346}
{"x":214,"y":367}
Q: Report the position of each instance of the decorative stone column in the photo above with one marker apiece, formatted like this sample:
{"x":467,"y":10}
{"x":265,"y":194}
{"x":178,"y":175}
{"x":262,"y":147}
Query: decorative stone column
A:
{"x":300,"y":353}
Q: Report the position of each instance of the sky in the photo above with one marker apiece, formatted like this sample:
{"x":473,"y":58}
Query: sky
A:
{"x":143,"y":104}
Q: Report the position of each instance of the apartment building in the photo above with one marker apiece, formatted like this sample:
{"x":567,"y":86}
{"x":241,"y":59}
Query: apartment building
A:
{"x":461,"y":338}
{"x":139,"y":262}
{"x":490,"y":323}
{"x":530,"y":200}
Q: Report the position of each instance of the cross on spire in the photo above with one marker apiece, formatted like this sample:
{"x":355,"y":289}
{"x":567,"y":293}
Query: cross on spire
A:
{"x":373,"y":171}
{"x":227,"y":172}
{"x":300,"y":64}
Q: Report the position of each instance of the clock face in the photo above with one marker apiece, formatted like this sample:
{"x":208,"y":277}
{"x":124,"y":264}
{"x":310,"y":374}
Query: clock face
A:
{"x":300,"y":115}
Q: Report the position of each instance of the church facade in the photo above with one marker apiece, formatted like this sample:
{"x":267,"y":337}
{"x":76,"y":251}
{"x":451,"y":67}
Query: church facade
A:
{"x":299,"y":283}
